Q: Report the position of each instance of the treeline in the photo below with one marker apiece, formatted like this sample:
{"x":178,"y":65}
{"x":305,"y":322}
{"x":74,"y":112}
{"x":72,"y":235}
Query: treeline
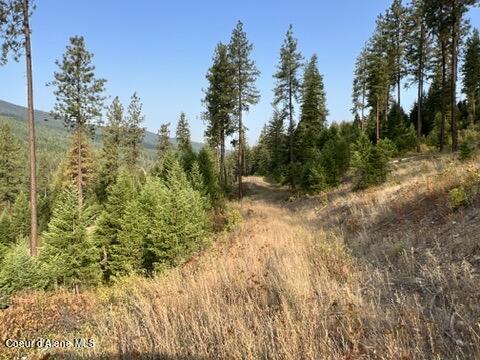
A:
{"x":104,"y":214}
{"x":417,"y":44}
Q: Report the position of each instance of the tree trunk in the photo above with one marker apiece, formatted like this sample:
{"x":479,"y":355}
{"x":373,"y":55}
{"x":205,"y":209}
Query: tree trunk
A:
{"x":444,"y":90}
{"x":378,"y":122}
{"x":290,"y":114}
{"x":223,"y":170}
{"x":420,"y":88}
{"x":454,"y":80}
{"x":79,"y":165}
{"x":474,"y":110}
{"x":362,"y":122}
{"x":31,"y":132}
{"x":240,"y":147}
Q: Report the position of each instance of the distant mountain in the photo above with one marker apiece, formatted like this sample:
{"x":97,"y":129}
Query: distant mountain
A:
{"x":20,"y":113}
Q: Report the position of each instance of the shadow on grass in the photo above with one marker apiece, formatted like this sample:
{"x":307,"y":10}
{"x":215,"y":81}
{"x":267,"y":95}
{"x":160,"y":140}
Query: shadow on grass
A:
{"x":126,"y":356}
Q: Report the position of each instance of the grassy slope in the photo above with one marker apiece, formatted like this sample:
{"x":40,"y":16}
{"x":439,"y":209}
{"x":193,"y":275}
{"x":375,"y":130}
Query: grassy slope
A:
{"x":390,"y":273}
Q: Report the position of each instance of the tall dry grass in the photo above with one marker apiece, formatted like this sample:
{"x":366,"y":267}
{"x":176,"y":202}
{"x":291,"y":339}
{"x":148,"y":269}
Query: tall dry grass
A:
{"x":291,"y":284}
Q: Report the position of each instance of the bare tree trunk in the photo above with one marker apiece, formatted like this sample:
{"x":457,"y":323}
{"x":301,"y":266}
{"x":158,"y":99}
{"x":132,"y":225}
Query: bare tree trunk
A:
{"x":454,"y":80}
{"x":420,"y":88}
{"x":474,"y":110}
{"x":362,"y":122}
{"x":31,"y":132}
{"x":79,"y":164}
{"x":444,"y":105}
{"x":378,"y":122}
{"x":223,"y":170}
{"x":240,"y":146}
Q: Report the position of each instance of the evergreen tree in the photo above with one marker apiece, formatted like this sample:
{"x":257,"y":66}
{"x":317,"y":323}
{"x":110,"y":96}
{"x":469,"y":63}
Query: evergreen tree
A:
{"x":277,"y":144}
{"x":11,"y":169}
{"x":184,"y":144}
{"x":81,"y":154}
{"x":5,"y":233}
{"x":288,"y":86}
{"x":471,"y":74}
{"x":379,"y":75}
{"x":20,"y":218}
{"x":246,"y":94}
{"x":313,"y":112}
{"x":196,"y":179}
{"x":134,"y":133}
{"x":418,"y":55}
{"x":68,"y":252}
{"x":163,"y":140}
{"x":115,"y":259}
{"x":394,"y":32}
{"x":209,"y":173}
{"x":79,"y":97}
{"x":359,"y":92}
{"x":112,"y":141}
{"x":220,"y":103}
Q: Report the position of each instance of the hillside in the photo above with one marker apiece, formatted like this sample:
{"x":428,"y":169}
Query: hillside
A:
{"x":45,"y":119}
{"x":387,"y":273}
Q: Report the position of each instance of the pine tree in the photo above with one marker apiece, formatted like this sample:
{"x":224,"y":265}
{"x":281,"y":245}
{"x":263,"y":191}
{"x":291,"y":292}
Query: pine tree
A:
{"x":109,"y":226}
{"x":79,"y":98}
{"x":11,"y":169}
{"x":394,"y":31}
{"x":246,"y":93}
{"x":471,"y":74}
{"x":419,"y":55}
{"x":20,"y":217}
{"x":379,"y":75}
{"x":313,"y":112}
{"x":359,"y":91}
{"x":288,"y":86}
{"x":196,"y":179}
{"x":80,"y":153}
{"x":5,"y":233}
{"x":68,"y":252}
{"x":277,"y":144}
{"x":112,"y":145}
{"x":15,"y":31}
{"x":220,"y":103}
{"x":163,"y":141}
{"x":209,"y":172}
{"x":184,"y":144}
{"x":134,"y":133}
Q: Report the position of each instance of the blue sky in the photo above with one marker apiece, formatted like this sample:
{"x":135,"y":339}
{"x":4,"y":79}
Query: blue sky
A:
{"x":163,"y":49}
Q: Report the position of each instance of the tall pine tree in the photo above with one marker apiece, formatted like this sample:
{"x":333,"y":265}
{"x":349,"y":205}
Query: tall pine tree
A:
{"x":79,"y":98}
{"x":288,"y":86}
{"x":246,"y":93}
{"x":471,"y":74}
{"x":313,"y":112}
{"x":220,"y":103}
{"x":134,"y":132}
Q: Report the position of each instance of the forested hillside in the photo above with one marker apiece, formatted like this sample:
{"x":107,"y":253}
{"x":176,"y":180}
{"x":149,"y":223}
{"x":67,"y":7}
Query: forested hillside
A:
{"x":322,"y":239}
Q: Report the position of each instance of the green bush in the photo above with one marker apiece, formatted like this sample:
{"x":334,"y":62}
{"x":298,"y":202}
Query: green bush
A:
{"x":19,"y":271}
{"x":458,"y":198}
{"x":371,"y":162}
{"x":166,"y":223}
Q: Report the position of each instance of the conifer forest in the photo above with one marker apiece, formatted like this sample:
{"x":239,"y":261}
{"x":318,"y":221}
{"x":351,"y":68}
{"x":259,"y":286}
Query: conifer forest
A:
{"x":320,"y":238}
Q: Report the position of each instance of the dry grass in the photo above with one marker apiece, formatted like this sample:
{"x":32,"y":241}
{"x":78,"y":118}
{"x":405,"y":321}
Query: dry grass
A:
{"x":340,"y":276}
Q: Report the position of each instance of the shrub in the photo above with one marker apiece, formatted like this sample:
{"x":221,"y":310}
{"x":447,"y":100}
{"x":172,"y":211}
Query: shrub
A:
{"x":458,"y":198}
{"x":165,"y":223}
{"x":210,"y":173}
{"x":371,"y":162}
{"x":19,"y":271}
